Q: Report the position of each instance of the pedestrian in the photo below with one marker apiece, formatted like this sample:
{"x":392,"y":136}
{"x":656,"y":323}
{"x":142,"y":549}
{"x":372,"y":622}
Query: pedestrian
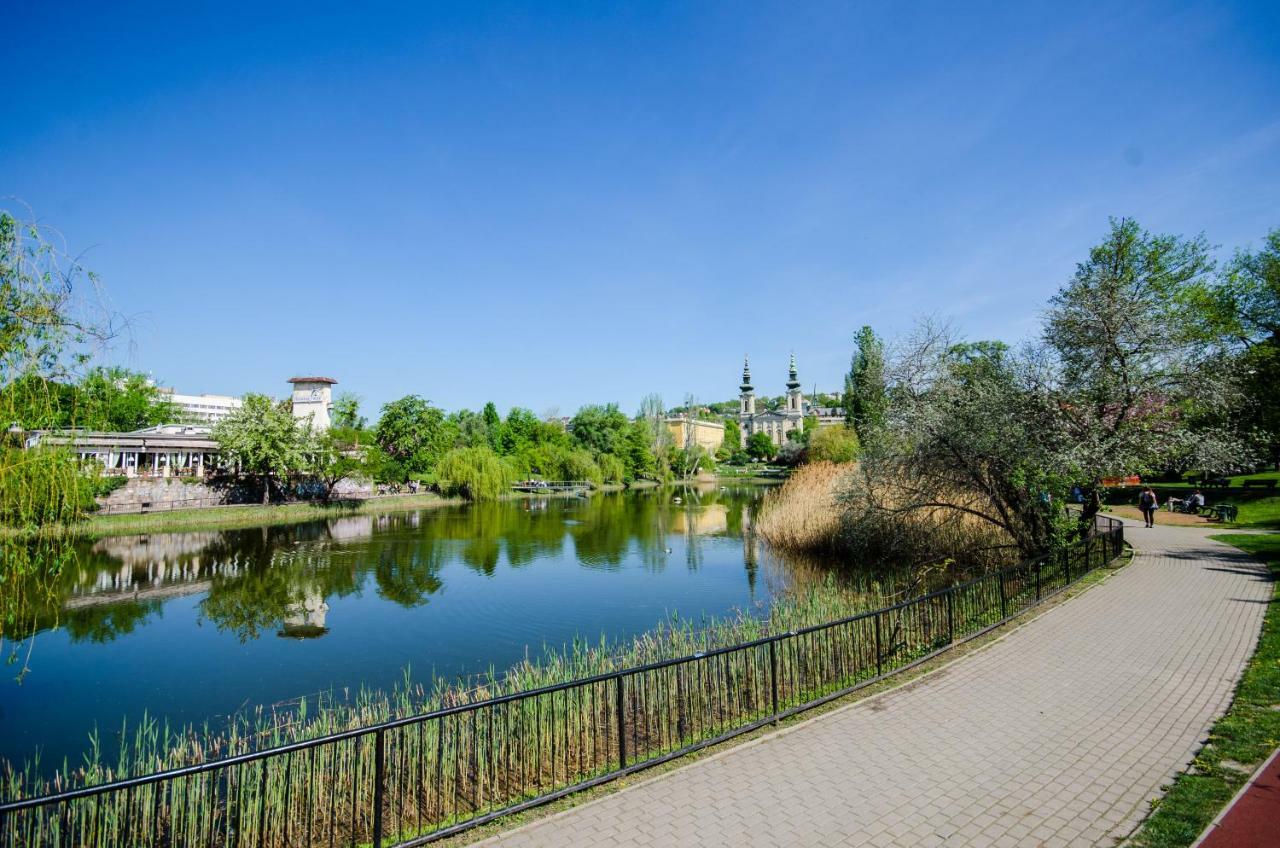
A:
{"x":1148,"y":503}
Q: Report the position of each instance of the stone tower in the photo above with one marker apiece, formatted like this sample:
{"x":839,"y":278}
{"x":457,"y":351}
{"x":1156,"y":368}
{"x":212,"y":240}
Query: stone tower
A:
{"x":795,"y":399}
{"x":313,"y":399}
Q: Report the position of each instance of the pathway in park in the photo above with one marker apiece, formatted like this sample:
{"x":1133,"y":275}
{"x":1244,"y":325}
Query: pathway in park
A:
{"x":1058,"y":734}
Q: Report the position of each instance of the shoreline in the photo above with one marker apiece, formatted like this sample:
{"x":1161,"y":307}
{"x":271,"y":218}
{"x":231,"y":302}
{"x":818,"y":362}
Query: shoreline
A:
{"x":241,"y":516}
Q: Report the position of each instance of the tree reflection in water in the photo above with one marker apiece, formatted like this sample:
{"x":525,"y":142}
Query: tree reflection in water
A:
{"x":282,"y":579}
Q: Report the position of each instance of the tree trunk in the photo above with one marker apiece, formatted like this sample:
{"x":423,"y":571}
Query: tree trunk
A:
{"x":266,"y":489}
{"x":1092,"y":506}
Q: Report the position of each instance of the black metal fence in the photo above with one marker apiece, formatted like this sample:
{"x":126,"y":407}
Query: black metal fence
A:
{"x":412,"y":780}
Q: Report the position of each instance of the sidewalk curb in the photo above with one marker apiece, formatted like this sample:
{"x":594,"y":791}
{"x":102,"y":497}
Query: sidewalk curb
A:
{"x":1235,"y":799}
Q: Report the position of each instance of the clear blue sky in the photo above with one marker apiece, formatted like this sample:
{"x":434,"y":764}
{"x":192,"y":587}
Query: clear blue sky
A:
{"x":547,"y":206}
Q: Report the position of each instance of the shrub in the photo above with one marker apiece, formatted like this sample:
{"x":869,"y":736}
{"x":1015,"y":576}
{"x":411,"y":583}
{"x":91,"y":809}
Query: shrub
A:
{"x":833,"y":444}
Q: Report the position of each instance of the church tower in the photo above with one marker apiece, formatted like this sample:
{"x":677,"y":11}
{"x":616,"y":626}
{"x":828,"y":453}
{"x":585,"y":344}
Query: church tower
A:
{"x":795,"y":399}
{"x":748,"y":406}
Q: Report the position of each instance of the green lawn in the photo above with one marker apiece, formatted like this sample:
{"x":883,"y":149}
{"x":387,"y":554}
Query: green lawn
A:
{"x":1239,"y":742}
{"x":1257,"y":512}
{"x":1235,"y":482}
{"x":1259,"y":509}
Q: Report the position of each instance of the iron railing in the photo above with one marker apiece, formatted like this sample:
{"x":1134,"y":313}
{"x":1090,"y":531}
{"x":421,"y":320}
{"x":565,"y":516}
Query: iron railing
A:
{"x":412,"y":780}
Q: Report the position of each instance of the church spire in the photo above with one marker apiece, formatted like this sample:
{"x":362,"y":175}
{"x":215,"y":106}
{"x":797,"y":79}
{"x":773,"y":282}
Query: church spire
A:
{"x":747,"y":404}
{"x":793,"y":382}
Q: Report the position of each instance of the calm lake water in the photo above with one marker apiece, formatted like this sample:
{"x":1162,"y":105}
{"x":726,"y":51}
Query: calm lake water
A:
{"x":192,"y":627}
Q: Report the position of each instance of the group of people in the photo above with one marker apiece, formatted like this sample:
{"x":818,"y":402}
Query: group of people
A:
{"x":1149,"y":504}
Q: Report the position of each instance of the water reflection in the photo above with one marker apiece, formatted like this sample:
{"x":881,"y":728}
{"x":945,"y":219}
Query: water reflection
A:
{"x":189,"y":626}
{"x":281,"y":579}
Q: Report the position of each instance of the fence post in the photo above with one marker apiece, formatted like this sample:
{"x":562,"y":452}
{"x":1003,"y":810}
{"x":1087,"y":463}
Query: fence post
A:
{"x":622,"y":723}
{"x":1066,"y":564}
{"x":1038,"y":564}
{"x":951,"y":615}
{"x":262,"y":803}
{"x":879,"y":653}
{"x":1004,"y":603}
{"x":379,"y":783}
{"x":773,"y":675}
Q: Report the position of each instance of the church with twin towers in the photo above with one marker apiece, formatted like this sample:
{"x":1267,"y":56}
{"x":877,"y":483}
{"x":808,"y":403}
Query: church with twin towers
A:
{"x":778,"y":423}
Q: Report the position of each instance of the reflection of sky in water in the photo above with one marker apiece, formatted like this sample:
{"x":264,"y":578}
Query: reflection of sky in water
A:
{"x":194,"y":626}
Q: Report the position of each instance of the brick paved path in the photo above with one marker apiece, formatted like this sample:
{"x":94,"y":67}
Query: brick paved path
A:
{"x":1058,"y":734}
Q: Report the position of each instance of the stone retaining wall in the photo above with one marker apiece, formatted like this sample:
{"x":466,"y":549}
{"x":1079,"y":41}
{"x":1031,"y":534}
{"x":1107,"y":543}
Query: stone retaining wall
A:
{"x":163,"y":495}
{"x":141,"y":495}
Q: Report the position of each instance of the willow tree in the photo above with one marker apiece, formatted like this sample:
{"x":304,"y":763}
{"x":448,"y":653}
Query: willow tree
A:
{"x":51,"y":321}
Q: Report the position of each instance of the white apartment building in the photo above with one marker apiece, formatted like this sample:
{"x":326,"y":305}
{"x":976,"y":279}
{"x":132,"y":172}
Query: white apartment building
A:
{"x":202,"y":409}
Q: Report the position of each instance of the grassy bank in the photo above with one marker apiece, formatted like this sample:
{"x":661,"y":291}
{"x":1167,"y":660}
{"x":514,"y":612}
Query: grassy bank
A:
{"x":247,"y":515}
{"x":1240,"y":741}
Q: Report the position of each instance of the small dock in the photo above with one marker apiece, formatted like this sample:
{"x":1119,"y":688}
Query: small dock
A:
{"x":553,"y":487}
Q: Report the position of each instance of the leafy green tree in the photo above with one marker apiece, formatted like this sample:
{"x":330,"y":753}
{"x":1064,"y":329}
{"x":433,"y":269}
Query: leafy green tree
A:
{"x":686,"y":462}
{"x":652,"y":417}
{"x":336,"y":454}
{"x":264,"y":440}
{"x":833,"y":444}
{"x":493,"y":426}
{"x":865,"y":394}
{"x":637,"y":456}
{"x":472,"y":430}
{"x":599,"y":428}
{"x":117,"y":399}
{"x":1243,"y":307}
{"x":732,"y":437}
{"x":346,"y":412}
{"x":1247,"y":295}
{"x":760,"y":446}
{"x":415,"y":434}
{"x":1135,"y":373}
{"x":522,"y":429}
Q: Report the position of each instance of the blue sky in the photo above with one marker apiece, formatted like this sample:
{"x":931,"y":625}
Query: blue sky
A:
{"x":548,"y":205}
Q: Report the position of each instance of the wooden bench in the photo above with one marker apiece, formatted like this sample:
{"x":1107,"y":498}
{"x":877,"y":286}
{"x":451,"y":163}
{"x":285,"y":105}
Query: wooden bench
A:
{"x":1260,"y":484}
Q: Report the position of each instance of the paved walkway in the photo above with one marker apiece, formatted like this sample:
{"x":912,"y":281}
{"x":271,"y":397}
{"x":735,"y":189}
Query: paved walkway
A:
{"x":1058,"y":734}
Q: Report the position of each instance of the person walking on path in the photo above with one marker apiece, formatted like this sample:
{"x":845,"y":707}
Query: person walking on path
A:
{"x":1148,"y":503}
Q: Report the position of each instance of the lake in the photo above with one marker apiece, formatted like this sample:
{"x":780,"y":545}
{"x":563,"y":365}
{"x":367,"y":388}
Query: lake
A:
{"x":193,"y":627}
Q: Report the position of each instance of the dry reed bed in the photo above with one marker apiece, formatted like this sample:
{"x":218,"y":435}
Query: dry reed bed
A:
{"x":827,"y":508}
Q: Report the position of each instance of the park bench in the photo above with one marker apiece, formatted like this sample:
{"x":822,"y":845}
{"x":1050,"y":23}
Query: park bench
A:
{"x":1223,"y":512}
{"x":1260,"y":484}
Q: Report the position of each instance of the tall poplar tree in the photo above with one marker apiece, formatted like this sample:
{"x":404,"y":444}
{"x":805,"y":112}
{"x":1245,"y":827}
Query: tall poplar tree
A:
{"x":866,"y":400}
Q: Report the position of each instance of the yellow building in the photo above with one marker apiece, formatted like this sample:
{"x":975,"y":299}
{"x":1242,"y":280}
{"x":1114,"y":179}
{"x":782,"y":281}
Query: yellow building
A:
{"x":686,"y":432}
